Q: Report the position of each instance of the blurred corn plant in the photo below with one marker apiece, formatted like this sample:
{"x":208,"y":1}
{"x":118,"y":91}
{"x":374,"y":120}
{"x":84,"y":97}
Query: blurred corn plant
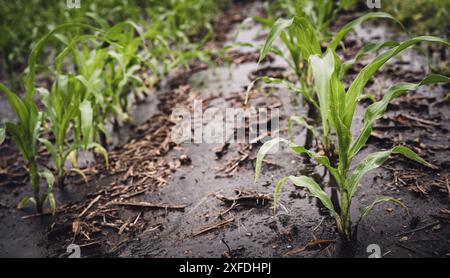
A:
{"x":23,"y":22}
{"x":338,"y":107}
{"x":178,"y":20}
{"x":426,"y":17}
{"x":79,"y":104}
{"x":69,"y":110}
{"x":25,"y":133}
{"x":320,"y":13}
{"x":123,"y":63}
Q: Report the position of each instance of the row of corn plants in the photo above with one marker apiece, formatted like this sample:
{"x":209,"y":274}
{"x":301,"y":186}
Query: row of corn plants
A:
{"x":23,"y":22}
{"x":336,"y":105}
{"x":94,"y":75}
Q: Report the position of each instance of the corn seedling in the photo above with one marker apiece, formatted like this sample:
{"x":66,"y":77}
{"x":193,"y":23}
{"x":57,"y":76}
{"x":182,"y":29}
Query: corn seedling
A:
{"x":67,"y":111}
{"x":121,"y":66}
{"x":339,"y":107}
{"x":25,"y":133}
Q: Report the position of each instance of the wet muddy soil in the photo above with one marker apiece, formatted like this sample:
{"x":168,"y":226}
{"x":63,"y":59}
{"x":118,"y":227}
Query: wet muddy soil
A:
{"x":162,"y":199}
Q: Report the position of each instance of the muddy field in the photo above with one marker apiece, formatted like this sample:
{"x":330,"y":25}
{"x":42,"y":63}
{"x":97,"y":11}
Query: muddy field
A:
{"x":161,"y":199}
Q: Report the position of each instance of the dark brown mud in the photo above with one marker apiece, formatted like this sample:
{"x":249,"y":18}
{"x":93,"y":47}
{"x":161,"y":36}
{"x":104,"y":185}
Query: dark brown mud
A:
{"x":202,"y":177}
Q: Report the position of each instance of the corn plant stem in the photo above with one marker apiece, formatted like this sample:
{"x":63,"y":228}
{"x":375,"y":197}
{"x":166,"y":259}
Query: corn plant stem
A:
{"x":34,"y":178}
{"x":335,"y":196}
{"x":60,"y":166}
{"x":345,"y":213}
{"x":61,"y":178}
{"x":312,"y":114}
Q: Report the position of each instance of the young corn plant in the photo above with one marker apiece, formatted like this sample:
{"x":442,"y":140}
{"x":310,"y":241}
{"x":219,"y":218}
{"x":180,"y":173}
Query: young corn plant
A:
{"x":25,"y":133}
{"x":68,"y":112}
{"x":340,"y":105}
{"x":94,"y":104}
{"x":74,"y":107}
{"x":302,"y":40}
{"x":121,"y":67}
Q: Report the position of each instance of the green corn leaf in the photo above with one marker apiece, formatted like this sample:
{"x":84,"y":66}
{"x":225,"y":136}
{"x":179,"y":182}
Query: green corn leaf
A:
{"x":343,"y":4}
{"x":25,"y":201}
{"x":267,"y":146}
{"x":339,"y":36}
{"x":266,"y":22}
{"x":50,"y":148}
{"x":71,"y":154}
{"x":98,"y":148}
{"x":376,"y":110}
{"x":379,"y":200}
{"x":357,"y":86}
{"x":407,"y":152}
{"x":93,"y":86}
{"x":276,"y":192}
{"x":343,"y":132}
{"x":316,"y":191}
{"x":292,"y":87}
{"x":32,"y":59}
{"x":2,"y":133}
{"x":306,"y":37}
{"x":375,"y":160}
{"x":49,"y":178}
{"x":87,"y":118}
{"x":98,"y":19}
{"x":301,"y":121}
{"x":79,"y":172}
{"x":274,"y":33}
{"x":52,"y":202}
{"x":322,"y":70}
{"x":36,"y":119}
{"x":71,"y":47}
{"x":19,"y":137}
{"x":313,"y":188}
{"x":369,"y":48}
{"x":17,"y":105}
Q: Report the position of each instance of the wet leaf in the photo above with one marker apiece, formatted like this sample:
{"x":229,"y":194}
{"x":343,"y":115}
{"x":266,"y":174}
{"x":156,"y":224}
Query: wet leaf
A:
{"x":358,"y":84}
{"x":339,"y":36}
{"x":275,"y":32}
{"x":376,"y":110}
{"x":375,"y":160}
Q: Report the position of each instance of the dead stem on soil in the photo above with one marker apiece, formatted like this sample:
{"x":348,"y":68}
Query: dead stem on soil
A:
{"x":312,"y":245}
{"x":214,"y":226}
